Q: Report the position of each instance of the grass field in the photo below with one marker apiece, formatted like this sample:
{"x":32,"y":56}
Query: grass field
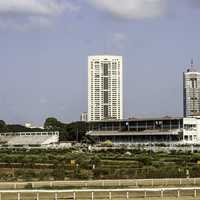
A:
{"x":82,"y":164}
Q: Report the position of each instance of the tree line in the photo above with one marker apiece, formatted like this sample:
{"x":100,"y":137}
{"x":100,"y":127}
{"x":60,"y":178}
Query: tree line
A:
{"x":74,"y":131}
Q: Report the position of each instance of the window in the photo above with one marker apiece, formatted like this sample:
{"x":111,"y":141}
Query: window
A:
{"x":193,"y":98}
{"x":190,"y":127}
{"x":186,"y":137}
{"x":193,"y":83}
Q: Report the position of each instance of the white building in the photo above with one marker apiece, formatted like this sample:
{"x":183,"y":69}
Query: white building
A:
{"x":105,"y":90}
{"x":191,"y":91}
{"x":191,"y":130}
{"x":84,"y":117}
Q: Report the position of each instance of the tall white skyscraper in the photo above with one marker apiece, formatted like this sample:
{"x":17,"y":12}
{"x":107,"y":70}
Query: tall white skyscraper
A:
{"x":105,"y":92}
{"x":191,"y":91}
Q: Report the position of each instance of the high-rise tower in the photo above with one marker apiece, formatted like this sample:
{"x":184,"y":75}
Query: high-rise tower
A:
{"x":191,"y":91}
{"x":105,"y":87}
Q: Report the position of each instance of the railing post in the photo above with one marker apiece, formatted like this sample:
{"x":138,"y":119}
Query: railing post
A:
{"x":37,"y":196}
{"x":166,"y":181}
{"x":103,"y":183}
{"x":119,"y":183}
{"x":18,"y":196}
{"x":92,"y":195}
{"x":180,"y":181}
{"x":56,"y":196}
{"x":162,"y":193}
{"x":0,"y":196}
{"x":136,"y":183}
{"x":152,"y":182}
{"x":145,"y":194}
{"x":195,"y":193}
{"x":51,"y":184}
{"x":110,"y":196}
{"x":178,"y":193}
{"x":86,"y":184}
{"x":194,"y":181}
{"x":127,"y":195}
{"x":74,"y":196}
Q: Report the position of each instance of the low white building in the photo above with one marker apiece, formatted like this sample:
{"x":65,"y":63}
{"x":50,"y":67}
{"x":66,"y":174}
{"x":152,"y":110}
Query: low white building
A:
{"x":29,"y":138}
{"x":191,"y":130}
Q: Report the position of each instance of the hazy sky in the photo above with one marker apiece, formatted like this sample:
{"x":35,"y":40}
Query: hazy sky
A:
{"x":44,"y":46}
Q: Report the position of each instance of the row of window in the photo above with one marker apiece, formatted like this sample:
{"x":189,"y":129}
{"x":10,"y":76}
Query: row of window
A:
{"x":190,"y":127}
{"x":190,"y":137}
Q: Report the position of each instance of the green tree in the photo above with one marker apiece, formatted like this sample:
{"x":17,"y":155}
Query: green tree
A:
{"x":52,"y":123}
{"x":68,"y":132}
{"x":2,"y":126}
{"x":17,"y":128}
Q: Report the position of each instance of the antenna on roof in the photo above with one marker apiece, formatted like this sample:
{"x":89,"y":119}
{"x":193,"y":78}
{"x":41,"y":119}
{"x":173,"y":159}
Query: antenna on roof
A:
{"x":192,"y":63}
{"x":191,"y":68}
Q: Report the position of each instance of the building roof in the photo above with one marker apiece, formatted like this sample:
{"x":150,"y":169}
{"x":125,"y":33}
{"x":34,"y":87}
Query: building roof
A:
{"x":141,"y":119}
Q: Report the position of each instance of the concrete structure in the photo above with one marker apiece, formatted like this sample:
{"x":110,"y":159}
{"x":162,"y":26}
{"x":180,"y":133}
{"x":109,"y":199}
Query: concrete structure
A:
{"x":29,"y":138}
{"x":84,"y":117}
{"x":191,"y":91}
{"x":167,"y":130}
{"x":191,"y":130}
{"x":105,"y":90}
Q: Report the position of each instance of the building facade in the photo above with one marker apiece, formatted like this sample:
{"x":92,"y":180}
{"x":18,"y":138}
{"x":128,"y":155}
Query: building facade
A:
{"x":167,"y":130}
{"x":191,"y":130}
{"x":105,"y":90}
{"x":84,"y":117}
{"x":191,"y":91}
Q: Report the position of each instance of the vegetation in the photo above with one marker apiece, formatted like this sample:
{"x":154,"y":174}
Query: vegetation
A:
{"x":37,"y":164}
{"x":15,"y":128}
{"x":81,"y":163}
{"x":74,"y":131}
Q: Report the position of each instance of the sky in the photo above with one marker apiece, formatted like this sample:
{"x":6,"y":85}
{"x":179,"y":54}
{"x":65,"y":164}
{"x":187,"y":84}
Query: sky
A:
{"x":44,"y":45}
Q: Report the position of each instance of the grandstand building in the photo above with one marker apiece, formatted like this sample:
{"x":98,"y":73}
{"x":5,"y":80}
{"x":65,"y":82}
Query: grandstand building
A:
{"x":149,"y":130}
{"x":29,"y":138}
{"x":155,"y":130}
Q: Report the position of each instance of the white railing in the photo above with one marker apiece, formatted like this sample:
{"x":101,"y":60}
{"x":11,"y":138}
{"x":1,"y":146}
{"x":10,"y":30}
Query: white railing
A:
{"x":167,"y":182}
{"x":108,"y":193}
{"x":43,"y":133}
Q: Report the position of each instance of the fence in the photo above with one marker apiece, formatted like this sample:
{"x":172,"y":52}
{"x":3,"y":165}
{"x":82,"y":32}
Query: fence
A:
{"x":107,"y":193}
{"x":134,"y":183}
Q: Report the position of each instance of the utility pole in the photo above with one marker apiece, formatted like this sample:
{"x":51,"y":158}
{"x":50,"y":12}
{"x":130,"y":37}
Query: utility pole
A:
{"x":77,"y":135}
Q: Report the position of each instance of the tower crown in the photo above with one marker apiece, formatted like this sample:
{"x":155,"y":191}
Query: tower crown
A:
{"x":192,"y":67}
